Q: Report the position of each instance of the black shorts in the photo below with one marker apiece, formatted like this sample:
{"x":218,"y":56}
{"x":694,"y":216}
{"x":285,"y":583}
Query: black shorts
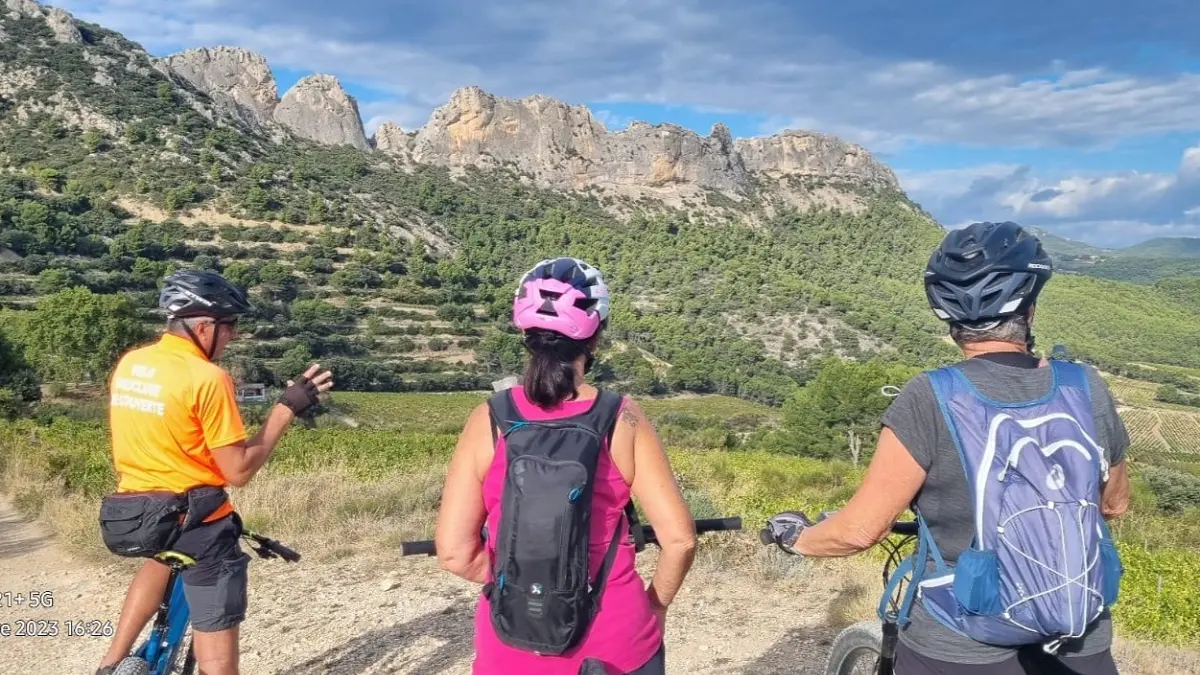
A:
{"x":1029,"y":662}
{"x":657,"y":665}
{"x":215,"y":586}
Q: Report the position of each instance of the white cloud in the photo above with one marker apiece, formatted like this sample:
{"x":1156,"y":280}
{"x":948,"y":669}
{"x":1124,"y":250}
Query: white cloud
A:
{"x":611,"y":120}
{"x":408,"y":116}
{"x":754,"y":57}
{"x":749,"y":58}
{"x":1110,"y":209}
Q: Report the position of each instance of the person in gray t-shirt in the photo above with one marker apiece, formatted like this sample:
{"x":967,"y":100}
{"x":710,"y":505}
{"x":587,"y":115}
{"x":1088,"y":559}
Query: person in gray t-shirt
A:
{"x":984,"y":281}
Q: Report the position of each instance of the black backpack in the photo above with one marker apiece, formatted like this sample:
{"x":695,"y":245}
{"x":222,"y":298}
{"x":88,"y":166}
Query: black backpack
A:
{"x":541,"y":598}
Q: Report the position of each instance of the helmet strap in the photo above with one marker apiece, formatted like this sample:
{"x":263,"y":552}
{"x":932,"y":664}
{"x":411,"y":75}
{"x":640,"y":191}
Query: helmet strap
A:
{"x":208,"y":353}
{"x":589,"y":361}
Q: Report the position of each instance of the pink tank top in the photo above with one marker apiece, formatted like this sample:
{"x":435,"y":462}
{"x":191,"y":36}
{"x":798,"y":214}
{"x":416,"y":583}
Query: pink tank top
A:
{"x":625,"y":633}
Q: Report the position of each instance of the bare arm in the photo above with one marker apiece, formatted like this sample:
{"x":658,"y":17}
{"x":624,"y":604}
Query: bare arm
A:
{"x":655,"y":488}
{"x":462,"y":514}
{"x":1114,"y":500}
{"x":240,"y":461}
{"x":890,"y":485}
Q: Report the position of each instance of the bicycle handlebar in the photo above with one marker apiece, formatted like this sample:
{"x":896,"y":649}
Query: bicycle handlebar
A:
{"x":269,"y":548}
{"x":703,"y":525}
{"x":905,"y":528}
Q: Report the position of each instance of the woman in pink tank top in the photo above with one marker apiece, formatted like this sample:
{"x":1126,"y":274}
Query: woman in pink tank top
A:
{"x":562,"y":306}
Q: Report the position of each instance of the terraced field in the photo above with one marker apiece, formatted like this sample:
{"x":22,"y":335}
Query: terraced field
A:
{"x":1156,"y":429}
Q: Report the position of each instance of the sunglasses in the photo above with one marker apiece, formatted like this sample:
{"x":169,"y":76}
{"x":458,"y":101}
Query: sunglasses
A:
{"x":232,"y":323}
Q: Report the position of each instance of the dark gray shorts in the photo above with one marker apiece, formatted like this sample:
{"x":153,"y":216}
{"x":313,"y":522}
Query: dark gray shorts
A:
{"x":1029,"y":661}
{"x":216,"y":586}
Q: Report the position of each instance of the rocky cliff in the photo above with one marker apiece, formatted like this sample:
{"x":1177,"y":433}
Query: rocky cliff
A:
{"x":241,"y":83}
{"x":318,"y":109}
{"x":60,"y":22}
{"x":564,"y":146}
{"x":389,"y":137}
{"x":555,"y":144}
{"x":237,"y":80}
{"x":804,"y":153}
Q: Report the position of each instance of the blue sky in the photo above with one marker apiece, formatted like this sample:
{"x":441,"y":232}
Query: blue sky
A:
{"x":1079,"y":117}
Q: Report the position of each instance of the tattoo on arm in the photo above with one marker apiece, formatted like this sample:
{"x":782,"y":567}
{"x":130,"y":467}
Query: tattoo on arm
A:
{"x":630,"y":418}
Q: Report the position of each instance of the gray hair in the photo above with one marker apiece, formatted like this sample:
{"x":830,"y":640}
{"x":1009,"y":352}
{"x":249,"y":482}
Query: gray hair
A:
{"x":1014,"y":329}
{"x":191,"y":322}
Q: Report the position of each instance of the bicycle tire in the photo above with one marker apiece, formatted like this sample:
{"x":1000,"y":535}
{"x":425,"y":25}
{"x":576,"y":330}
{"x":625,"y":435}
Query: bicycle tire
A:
{"x":132,"y":665}
{"x":857,"y":645}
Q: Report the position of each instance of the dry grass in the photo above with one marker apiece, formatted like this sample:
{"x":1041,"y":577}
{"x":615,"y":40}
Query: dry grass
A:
{"x":1146,"y":658}
{"x":71,"y":518}
{"x":331,"y":514}
{"x":325,"y":515}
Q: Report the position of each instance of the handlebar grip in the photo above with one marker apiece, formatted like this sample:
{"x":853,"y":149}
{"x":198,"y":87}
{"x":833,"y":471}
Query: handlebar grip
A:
{"x":417,"y":548}
{"x":282,"y":551}
{"x":272,"y":546}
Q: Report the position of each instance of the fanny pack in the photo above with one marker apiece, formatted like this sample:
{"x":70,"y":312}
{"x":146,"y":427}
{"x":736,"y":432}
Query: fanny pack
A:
{"x":144,"y":524}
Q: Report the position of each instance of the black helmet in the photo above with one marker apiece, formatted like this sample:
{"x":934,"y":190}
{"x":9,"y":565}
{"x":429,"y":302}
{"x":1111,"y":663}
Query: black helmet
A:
{"x":986,"y":271}
{"x":189,"y":293}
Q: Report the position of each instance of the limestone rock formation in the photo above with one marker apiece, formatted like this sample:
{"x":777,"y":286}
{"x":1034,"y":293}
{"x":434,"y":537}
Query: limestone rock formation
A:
{"x":237,"y":80}
{"x":318,"y":109}
{"x":20,"y":8}
{"x":564,"y":146}
{"x":389,"y":137}
{"x":63,"y":26}
{"x":804,"y":153}
{"x":557,"y":143}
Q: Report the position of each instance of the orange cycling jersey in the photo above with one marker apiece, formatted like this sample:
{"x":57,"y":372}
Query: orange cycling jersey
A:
{"x":169,"y":408}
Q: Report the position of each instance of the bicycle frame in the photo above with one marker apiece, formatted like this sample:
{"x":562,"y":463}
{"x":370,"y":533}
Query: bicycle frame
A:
{"x":890,"y":626}
{"x":170,"y":623}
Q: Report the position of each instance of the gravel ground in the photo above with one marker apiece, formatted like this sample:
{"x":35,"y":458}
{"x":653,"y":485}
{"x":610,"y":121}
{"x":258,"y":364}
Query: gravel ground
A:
{"x":367,"y":614}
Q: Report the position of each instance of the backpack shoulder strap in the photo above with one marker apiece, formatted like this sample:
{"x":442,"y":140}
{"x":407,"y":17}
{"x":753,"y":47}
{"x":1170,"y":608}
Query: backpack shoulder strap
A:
{"x":1071,"y":374}
{"x":503,"y":412}
{"x":608,"y":411}
{"x":602,"y":417}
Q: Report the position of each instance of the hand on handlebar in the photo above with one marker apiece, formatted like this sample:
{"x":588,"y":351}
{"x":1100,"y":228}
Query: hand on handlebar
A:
{"x":783,"y":529}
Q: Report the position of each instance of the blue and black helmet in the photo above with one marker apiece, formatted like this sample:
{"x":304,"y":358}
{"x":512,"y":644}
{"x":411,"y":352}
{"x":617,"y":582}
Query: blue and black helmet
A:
{"x":986,"y":271}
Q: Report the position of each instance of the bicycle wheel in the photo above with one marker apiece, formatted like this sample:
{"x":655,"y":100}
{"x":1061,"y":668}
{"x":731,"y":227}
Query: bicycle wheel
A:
{"x":132,"y":665}
{"x":856,"y":650}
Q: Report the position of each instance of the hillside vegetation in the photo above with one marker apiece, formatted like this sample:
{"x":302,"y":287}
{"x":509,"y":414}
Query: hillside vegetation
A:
{"x":399,"y":277}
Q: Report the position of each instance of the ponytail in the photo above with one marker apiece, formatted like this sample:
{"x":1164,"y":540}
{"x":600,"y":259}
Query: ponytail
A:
{"x":550,"y":375}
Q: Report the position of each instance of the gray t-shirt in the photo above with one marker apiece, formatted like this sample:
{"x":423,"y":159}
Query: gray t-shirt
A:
{"x":944,"y":499}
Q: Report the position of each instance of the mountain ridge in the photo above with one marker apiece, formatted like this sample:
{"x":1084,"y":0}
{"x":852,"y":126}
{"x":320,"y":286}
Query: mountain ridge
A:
{"x":558,"y":145}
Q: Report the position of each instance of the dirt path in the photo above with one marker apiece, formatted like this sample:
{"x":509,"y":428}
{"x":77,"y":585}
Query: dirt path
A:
{"x":370,"y":614}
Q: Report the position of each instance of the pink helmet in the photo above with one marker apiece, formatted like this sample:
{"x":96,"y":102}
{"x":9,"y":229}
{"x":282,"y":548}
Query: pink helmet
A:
{"x":564,"y":295}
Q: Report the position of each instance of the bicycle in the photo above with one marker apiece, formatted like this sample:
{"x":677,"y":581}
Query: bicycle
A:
{"x":869,"y":647}
{"x":159,"y":653}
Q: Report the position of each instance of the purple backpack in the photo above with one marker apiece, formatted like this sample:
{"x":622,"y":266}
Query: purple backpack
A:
{"x":1042,"y":566}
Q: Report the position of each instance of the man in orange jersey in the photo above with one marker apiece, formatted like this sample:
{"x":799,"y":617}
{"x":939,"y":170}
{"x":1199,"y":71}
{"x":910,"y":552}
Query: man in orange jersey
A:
{"x":178,"y":441}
